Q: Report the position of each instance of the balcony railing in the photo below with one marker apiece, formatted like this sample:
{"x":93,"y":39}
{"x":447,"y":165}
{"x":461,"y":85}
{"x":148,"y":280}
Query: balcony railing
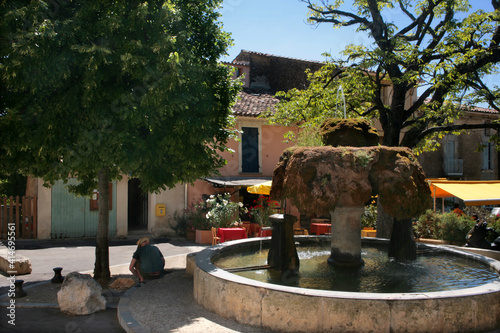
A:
{"x":454,"y":167}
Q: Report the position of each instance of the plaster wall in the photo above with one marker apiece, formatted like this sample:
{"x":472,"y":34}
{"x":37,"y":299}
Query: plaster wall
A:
{"x":244,"y":71}
{"x":271,"y":146}
{"x":121,"y":207}
{"x":174,"y":201}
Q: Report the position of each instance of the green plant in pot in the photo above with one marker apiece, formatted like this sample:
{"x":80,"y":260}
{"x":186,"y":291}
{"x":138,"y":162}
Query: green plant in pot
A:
{"x":262,"y":209}
{"x":196,"y":214}
{"x":224,"y":213}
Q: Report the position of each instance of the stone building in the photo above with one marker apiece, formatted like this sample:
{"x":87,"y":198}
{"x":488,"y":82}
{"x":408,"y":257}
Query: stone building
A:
{"x":458,"y":156}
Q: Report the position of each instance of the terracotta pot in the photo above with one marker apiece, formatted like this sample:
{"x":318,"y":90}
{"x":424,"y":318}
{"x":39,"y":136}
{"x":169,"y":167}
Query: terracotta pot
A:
{"x":203,"y":236}
{"x":190,"y":235}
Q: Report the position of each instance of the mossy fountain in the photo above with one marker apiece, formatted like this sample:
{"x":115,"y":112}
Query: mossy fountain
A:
{"x":338,"y":181}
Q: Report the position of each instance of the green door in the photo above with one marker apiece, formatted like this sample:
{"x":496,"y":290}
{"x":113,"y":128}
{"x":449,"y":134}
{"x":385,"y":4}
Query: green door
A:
{"x":71,"y":215}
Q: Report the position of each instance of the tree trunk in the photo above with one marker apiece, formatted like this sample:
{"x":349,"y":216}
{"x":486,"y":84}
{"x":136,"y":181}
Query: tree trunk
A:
{"x":402,"y":245}
{"x":101,"y":268}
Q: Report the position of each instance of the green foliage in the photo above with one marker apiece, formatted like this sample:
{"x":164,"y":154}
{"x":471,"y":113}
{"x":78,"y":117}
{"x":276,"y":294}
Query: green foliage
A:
{"x":223,"y":212}
{"x":447,"y":226}
{"x":182,"y":224}
{"x":263,"y":208}
{"x":12,"y":185}
{"x":454,"y":228}
{"x":98,"y":89}
{"x":482,"y":213}
{"x":308,"y":136}
{"x":194,"y":217}
{"x":131,"y":86}
{"x":494,"y":223}
{"x":440,"y":48}
{"x":428,"y":225}
{"x":369,"y":218}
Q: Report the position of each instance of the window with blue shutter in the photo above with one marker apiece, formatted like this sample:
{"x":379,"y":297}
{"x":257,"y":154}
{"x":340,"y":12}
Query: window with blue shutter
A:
{"x":250,"y":149}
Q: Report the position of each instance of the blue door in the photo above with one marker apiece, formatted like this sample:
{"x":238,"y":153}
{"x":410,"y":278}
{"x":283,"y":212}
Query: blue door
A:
{"x":72,"y":216}
{"x":250,"y":149}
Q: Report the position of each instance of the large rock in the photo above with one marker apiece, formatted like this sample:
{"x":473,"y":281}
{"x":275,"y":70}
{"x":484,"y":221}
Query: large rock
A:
{"x":80,"y":294}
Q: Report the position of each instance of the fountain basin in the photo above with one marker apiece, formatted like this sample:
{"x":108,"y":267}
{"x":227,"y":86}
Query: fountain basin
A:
{"x":293,"y":309}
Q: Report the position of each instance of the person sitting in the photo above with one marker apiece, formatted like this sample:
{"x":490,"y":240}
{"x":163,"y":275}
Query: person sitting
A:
{"x":457,"y":210}
{"x":147,"y":261}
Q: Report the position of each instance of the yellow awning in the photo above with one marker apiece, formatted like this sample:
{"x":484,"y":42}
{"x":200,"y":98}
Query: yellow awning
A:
{"x":263,"y":188}
{"x":473,"y":193}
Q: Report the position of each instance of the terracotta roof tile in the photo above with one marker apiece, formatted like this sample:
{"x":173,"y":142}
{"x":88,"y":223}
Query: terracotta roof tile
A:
{"x":252,"y":104}
{"x":282,"y":57}
{"x":472,"y":108}
{"x":481,"y":110}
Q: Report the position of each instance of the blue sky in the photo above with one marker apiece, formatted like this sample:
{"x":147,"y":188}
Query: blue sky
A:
{"x":279,"y":27}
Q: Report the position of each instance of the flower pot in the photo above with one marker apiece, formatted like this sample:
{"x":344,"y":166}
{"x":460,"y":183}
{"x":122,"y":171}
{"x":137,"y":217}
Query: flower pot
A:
{"x":203,"y":236}
{"x":190,"y":235}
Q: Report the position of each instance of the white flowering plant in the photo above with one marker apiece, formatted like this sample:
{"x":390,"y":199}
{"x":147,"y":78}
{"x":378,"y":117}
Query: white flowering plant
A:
{"x":224,"y":213}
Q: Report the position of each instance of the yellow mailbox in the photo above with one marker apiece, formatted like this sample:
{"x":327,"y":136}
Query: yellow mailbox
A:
{"x":160,"y":209}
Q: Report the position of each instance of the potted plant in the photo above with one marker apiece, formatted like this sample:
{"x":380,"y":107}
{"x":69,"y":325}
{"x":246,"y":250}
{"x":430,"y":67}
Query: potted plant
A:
{"x":224,"y":213}
{"x":262,"y":209}
{"x":184,"y":226}
{"x":198,"y":226}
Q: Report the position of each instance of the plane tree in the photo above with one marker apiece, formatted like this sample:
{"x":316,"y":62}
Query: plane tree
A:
{"x":439,"y":47}
{"x":101,"y":89}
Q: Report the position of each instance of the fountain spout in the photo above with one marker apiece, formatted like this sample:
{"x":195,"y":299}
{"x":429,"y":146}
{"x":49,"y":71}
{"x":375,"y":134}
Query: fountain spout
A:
{"x":282,"y":252}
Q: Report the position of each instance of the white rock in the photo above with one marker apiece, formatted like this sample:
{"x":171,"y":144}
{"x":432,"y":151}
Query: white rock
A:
{"x":80,"y":294}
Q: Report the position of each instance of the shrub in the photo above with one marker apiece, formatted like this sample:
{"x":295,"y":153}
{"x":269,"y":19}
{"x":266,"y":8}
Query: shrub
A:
{"x":494,"y":223}
{"x":428,"y":225}
{"x":369,"y":218}
{"x":194,"y":217}
{"x":454,"y":228}
{"x":183,"y":224}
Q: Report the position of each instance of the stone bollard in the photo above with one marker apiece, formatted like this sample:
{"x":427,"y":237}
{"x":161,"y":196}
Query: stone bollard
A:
{"x":282,"y":251}
{"x":58,"y":278}
{"x":19,"y":292}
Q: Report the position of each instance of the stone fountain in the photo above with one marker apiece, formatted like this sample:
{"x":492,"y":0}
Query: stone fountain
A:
{"x":341,"y":180}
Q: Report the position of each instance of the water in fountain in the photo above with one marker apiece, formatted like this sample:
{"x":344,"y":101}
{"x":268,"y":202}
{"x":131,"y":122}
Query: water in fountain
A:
{"x":432,"y":271}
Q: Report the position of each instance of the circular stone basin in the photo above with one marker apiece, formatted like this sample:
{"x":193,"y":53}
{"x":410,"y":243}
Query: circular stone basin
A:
{"x":434,"y":270}
{"x":295,"y":309}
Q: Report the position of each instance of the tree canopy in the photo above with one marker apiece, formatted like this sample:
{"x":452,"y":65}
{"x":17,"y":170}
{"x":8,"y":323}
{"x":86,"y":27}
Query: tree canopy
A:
{"x":437,"y":46}
{"x":99,"y":89}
